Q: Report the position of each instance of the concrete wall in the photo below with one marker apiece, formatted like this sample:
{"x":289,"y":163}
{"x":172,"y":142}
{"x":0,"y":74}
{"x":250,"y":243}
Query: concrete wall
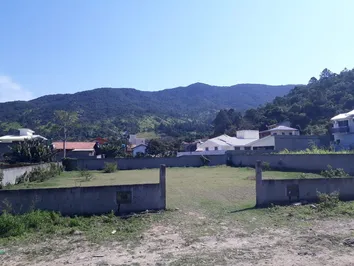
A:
{"x":142,"y":163}
{"x":297,"y":143}
{"x":298,"y":162}
{"x":196,"y":153}
{"x":277,"y":191}
{"x":87,"y":200}
{"x":10,"y":174}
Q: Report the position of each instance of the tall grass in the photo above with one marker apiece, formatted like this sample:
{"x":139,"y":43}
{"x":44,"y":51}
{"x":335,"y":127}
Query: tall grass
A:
{"x":53,"y":223}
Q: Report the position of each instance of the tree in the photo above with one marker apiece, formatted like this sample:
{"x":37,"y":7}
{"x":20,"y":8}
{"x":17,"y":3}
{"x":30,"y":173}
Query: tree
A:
{"x":312,"y":81}
{"x":222,"y":122}
{"x":326,"y":73}
{"x":163,"y":147}
{"x":65,"y":121}
{"x":114,"y":148}
{"x":30,"y":151}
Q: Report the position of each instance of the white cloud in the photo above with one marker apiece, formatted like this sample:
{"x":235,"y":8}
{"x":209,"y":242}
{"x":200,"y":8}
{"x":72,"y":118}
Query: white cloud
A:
{"x":12,"y":91}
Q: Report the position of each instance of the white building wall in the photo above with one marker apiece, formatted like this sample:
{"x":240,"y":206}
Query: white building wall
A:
{"x":136,"y":141}
{"x":247,"y":134}
{"x":285,"y":132}
{"x":210,"y":145}
{"x":186,"y":153}
{"x":139,"y":149}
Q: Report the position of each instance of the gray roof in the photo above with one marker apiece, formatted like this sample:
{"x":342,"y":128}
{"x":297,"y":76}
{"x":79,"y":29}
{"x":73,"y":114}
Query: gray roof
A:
{"x":284,"y":128}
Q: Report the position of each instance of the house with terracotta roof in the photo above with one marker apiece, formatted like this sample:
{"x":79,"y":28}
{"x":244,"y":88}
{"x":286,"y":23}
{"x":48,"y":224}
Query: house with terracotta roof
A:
{"x":75,"y":149}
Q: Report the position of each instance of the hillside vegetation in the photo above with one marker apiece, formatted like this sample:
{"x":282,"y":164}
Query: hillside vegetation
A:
{"x":309,"y":107}
{"x":109,"y":111}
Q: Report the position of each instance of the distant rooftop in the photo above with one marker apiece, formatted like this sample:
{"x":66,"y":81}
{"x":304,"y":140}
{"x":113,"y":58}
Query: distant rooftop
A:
{"x":343,"y":116}
{"x":282,"y":128}
{"x":24,"y":134}
{"x":74,"y":145}
{"x":231,"y":141}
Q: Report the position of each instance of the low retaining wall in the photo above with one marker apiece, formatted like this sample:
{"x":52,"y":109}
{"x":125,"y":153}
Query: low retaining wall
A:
{"x":11,"y":174}
{"x":88,"y":200}
{"x":298,"y":162}
{"x":285,"y":191}
{"x":147,"y":163}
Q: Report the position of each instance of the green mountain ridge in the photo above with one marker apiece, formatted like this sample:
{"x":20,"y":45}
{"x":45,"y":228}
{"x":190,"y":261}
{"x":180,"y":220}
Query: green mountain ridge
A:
{"x":107,"y":111}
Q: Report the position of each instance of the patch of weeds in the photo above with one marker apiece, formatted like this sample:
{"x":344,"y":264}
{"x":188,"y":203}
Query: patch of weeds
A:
{"x":85,"y":174}
{"x":331,"y":173}
{"x":96,"y":228}
{"x":266,"y":166}
{"x":328,"y":205}
{"x":303,"y":176}
{"x":110,"y":167}
{"x":327,"y":201}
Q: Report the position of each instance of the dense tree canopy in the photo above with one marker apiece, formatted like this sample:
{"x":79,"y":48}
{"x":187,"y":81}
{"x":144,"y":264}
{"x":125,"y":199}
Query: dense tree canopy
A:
{"x":308,"y":108}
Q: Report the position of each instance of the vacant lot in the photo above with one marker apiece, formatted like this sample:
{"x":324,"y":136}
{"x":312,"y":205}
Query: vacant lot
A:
{"x":210,"y":221}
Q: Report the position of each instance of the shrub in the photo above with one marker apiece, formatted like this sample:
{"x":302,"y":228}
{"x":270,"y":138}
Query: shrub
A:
{"x":328,"y":201}
{"x":86,"y":174}
{"x":330,"y":172}
{"x":110,"y":167}
{"x":30,"y":151}
{"x":10,"y":225}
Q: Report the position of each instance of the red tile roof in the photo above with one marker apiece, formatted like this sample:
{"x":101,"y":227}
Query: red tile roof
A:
{"x":74,"y":145}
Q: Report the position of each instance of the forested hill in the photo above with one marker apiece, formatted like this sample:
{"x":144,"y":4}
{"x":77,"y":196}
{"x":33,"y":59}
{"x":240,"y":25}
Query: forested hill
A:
{"x":308,"y":108}
{"x":106,"y":110}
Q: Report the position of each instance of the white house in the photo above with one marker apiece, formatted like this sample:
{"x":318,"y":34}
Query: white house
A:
{"x":24,"y":134}
{"x":141,"y":148}
{"x":343,"y":130}
{"x":134,"y":140}
{"x":266,"y":143}
{"x":225,"y":142}
{"x":279,"y":130}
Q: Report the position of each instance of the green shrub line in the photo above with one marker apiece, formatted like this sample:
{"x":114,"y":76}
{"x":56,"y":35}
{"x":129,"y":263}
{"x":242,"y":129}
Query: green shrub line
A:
{"x":315,"y":150}
{"x":331,"y":173}
{"x":40,"y":174}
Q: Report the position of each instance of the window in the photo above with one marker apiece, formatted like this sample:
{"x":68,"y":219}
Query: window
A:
{"x":215,"y":148}
{"x":237,"y":148}
{"x":283,"y":133}
{"x":206,"y":148}
{"x":247,"y":148}
{"x":290,"y":133}
{"x":343,"y":123}
{"x":274,"y":134}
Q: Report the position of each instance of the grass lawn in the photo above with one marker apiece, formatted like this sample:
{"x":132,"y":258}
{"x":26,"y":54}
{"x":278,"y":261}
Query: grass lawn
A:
{"x":205,"y":187}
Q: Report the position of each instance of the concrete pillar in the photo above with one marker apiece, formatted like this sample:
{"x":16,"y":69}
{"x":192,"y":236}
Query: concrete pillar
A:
{"x":163,"y":184}
{"x":258,"y":183}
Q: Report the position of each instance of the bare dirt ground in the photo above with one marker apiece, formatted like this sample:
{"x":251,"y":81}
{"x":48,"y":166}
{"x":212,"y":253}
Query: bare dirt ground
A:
{"x":322,"y":243}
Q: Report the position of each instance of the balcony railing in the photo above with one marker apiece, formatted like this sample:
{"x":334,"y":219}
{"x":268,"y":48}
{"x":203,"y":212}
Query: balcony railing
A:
{"x":344,"y":129}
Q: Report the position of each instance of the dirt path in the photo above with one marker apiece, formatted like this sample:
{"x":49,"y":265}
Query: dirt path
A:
{"x":322,"y":244}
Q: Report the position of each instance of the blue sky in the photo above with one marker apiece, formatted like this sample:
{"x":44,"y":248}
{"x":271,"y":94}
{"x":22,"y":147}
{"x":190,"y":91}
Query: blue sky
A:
{"x":64,"y":46}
